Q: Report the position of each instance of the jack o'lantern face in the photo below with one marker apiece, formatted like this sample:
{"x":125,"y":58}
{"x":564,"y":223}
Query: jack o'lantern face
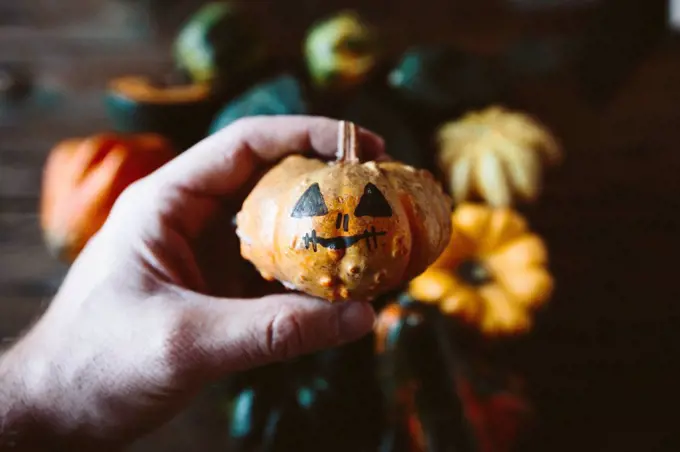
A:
{"x":343,"y":230}
{"x":372,"y":205}
{"x":346,"y":230}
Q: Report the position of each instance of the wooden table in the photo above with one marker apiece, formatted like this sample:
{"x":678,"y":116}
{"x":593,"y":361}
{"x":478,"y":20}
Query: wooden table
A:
{"x":599,"y":365}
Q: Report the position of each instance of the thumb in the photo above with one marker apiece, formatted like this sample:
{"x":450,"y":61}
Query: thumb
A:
{"x":220,"y":336}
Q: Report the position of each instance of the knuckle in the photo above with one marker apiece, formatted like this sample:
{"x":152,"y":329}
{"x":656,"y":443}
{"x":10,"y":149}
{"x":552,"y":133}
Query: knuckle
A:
{"x":285,"y":336}
{"x":129,"y":198}
{"x":187,"y":355}
{"x":250,"y":121}
{"x":136,"y":188}
{"x":248,"y":126}
{"x":242,"y":126}
{"x":334,"y":332}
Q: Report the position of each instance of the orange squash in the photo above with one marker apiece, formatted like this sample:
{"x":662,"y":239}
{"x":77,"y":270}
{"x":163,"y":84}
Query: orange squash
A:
{"x":82,"y":179}
{"x":492,"y":275}
{"x":344,"y":230}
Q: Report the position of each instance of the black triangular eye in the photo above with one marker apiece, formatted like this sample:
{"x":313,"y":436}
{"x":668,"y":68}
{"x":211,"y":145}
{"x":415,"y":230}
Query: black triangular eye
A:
{"x":373,"y":203}
{"x":310,"y":204}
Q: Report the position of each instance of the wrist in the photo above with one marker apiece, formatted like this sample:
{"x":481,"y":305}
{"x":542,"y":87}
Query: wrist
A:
{"x":37,"y":406}
{"x":22,"y":428}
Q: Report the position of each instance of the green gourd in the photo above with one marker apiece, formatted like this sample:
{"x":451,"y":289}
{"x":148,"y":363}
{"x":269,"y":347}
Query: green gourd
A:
{"x":447,"y":80}
{"x":409,"y":387}
{"x":341,"y":51}
{"x":178,"y":110}
{"x":418,"y":375}
{"x":324,"y":401}
{"x":281,"y":95}
{"x":220,"y":44}
{"x":287,"y":95}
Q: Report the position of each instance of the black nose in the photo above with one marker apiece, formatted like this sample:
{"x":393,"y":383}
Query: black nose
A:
{"x":344,"y":219}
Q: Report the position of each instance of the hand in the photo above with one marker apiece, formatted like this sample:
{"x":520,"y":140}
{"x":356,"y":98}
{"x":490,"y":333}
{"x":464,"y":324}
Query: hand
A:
{"x":154,"y":308}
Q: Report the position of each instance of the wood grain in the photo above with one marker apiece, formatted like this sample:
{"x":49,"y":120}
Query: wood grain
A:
{"x":25,"y":310}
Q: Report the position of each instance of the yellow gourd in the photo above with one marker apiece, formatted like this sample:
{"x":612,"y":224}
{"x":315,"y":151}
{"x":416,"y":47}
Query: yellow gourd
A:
{"x":496,"y":155}
{"x":493,"y":273}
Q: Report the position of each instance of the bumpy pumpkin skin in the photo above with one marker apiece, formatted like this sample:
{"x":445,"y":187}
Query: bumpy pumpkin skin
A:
{"x":83,"y":178}
{"x":337,"y":249}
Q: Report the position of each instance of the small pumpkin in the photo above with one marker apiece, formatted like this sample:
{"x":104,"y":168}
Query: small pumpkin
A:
{"x":329,"y":400}
{"x":492,"y":275}
{"x":220,"y":44}
{"x":345,"y":230}
{"x":438,"y":394}
{"x":281,"y":95}
{"x":179,"y":110}
{"x":496,"y":154}
{"x":444,"y":79}
{"x":286,"y":95}
{"x":82,"y":179}
{"x":341,"y":51}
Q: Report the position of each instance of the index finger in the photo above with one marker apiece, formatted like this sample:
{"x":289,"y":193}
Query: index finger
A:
{"x":223,"y":162}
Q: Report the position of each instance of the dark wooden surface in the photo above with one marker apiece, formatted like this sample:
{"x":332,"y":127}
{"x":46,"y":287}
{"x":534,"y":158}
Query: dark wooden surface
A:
{"x":603,"y":363}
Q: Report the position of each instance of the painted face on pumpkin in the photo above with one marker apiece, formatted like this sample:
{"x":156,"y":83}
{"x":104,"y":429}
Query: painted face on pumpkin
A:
{"x":346,"y":229}
{"x":371,"y":205}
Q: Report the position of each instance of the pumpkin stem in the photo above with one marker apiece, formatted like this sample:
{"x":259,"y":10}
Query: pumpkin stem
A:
{"x":347,"y":143}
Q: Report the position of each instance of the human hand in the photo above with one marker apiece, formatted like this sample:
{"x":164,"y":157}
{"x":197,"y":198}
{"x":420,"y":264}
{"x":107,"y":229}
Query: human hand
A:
{"x":155,"y":306}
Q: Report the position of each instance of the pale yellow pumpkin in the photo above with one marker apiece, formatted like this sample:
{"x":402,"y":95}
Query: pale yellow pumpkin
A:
{"x":496,"y":155}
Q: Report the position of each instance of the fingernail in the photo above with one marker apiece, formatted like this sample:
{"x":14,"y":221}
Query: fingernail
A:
{"x":356,"y":320}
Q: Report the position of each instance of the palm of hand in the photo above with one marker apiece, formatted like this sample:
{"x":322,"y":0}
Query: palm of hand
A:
{"x":154,"y":307}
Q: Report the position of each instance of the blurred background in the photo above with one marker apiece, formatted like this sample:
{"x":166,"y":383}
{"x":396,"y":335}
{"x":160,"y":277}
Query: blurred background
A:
{"x":604,"y":76}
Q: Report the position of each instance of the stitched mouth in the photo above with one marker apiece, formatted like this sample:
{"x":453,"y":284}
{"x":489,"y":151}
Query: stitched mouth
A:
{"x":342,"y":242}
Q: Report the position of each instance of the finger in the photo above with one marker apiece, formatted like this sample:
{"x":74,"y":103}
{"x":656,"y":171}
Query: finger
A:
{"x":186,"y":192}
{"x":224,"y":161}
{"x":221,"y":336}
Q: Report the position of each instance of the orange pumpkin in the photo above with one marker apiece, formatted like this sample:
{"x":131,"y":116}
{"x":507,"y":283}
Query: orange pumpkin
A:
{"x":493,"y":274}
{"x":345,"y":230}
{"x":82,"y":179}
